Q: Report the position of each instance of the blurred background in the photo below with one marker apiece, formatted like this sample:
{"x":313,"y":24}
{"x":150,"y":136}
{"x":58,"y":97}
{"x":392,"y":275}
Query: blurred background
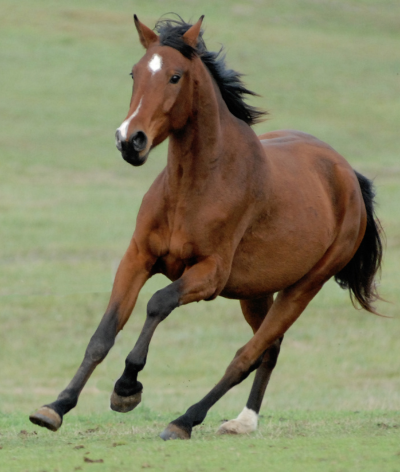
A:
{"x":68,"y":202}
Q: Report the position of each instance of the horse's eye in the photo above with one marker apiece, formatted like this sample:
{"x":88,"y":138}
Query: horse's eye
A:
{"x":175,"y":79}
{"x":130,"y":73}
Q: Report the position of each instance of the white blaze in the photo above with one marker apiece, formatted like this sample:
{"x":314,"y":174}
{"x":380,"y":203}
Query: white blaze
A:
{"x":155,"y":63}
{"x":123,"y":129}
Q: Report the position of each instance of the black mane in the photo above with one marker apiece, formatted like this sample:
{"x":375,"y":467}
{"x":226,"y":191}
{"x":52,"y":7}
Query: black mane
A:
{"x":229,"y":81}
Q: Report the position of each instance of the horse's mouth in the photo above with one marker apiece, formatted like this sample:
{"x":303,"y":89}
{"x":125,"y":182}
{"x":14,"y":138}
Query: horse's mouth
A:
{"x":133,"y":157}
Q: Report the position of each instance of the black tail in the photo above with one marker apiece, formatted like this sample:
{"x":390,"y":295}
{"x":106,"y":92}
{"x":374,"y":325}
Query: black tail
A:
{"x":358,"y":276}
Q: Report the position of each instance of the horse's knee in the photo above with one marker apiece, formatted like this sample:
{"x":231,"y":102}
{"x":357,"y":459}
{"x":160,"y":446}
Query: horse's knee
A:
{"x":103,"y":339}
{"x":97,"y":353}
{"x":99,"y":346}
{"x":163,"y":302}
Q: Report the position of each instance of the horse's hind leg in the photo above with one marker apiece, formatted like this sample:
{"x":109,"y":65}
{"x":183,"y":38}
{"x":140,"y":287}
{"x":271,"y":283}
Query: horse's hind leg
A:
{"x":287,"y":307}
{"x":132,"y":274}
{"x":254,"y":312}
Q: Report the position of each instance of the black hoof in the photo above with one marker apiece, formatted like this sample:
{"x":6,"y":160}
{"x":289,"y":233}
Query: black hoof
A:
{"x":125,"y":404}
{"x":47,"y":418}
{"x":174,"y":432}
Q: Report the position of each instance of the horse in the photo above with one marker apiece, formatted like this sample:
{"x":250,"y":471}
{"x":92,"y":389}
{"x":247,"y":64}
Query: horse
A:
{"x":264,"y":220}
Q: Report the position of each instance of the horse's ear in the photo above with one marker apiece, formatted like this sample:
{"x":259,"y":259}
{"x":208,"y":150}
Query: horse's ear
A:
{"x":192,"y":34}
{"x":146,"y":35}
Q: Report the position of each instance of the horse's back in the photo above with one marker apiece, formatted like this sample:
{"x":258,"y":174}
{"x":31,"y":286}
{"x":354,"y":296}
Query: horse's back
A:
{"x":297,"y":142}
{"x":310,"y":161}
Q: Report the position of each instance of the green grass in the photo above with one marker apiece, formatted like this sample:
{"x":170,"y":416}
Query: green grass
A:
{"x":286,"y":440}
{"x":68,"y":205}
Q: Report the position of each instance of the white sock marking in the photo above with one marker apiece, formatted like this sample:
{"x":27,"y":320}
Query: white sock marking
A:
{"x":245,"y":423}
{"x":155,"y":63}
{"x":123,"y":129}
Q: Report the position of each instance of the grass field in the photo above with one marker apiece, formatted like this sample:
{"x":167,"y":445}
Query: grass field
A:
{"x":68,"y":204}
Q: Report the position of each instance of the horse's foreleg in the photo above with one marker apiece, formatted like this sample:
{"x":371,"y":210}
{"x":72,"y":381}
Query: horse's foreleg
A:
{"x":197,"y":283}
{"x":286,"y":309}
{"x":254,"y":312}
{"x":127,"y":390}
{"x":131,"y":275}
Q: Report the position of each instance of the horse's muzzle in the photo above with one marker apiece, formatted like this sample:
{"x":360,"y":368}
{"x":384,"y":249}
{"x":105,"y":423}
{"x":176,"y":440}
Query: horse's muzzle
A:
{"x":131,"y":149}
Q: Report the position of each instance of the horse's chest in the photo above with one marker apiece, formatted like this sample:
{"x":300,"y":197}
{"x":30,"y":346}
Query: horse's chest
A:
{"x":178,"y":251}
{"x":183,"y":246}
{"x":186,"y":239}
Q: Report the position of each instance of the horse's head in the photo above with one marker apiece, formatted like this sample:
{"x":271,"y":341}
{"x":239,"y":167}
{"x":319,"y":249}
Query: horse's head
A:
{"x":161,"y":96}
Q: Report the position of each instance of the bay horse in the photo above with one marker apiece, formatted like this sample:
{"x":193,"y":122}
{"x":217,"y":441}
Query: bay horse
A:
{"x":265,"y":220}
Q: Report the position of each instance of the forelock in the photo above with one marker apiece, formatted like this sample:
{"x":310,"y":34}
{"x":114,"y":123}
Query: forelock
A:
{"x":171,"y":31}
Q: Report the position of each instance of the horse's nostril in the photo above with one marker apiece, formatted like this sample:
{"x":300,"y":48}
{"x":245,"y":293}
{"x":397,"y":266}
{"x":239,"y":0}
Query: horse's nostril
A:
{"x":139,"y":141}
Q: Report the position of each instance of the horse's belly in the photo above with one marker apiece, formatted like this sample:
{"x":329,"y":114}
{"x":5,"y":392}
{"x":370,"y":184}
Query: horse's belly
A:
{"x":269,"y":264}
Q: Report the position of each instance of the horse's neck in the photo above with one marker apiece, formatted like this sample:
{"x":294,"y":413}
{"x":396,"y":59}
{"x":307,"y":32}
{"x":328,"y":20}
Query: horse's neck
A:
{"x":196,"y":154}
